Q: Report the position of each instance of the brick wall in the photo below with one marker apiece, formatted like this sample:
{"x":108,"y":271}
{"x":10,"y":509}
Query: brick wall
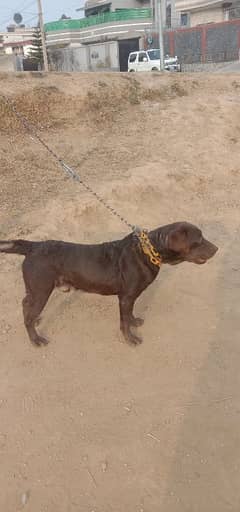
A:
{"x":222,"y":42}
{"x":214,"y":42}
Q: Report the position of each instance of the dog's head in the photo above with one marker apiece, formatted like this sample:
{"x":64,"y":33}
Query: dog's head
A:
{"x":185,"y":242}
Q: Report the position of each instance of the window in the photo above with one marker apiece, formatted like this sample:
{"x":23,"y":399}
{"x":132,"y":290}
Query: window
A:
{"x":132,"y":57}
{"x":17,"y":50}
{"x":233,"y":13}
{"x":141,"y":56}
{"x":154,"y":54}
{"x":169,"y":16}
{"x":184,"y":19}
{"x":97,"y":10}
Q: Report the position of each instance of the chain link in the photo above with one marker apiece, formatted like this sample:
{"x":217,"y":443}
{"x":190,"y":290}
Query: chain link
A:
{"x":69,"y":170}
{"x":148,"y":248}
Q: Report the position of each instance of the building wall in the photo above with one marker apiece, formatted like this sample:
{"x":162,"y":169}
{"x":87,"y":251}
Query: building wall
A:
{"x":94,"y":57}
{"x":20,"y":38}
{"x":132,"y":4}
{"x":105,"y":31}
{"x":215,"y":15}
{"x":212,"y":43}
{"x":208,"y":11}
{"x":10,"y":50}
{"x":191,"y":5}
{"x":7,"y":63}
{"x":118,"y":4}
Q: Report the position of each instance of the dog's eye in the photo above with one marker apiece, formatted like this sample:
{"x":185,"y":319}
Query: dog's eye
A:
{"x":195,"y":245}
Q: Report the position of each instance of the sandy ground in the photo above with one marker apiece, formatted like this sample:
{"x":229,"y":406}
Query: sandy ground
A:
{"x":90,"y":424}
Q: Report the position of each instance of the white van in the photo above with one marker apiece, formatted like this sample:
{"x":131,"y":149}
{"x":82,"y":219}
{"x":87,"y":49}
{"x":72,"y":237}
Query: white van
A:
{"x":149,"y":60}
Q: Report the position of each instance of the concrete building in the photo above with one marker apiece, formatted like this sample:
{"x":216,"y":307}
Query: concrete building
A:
{"x":128,"y":26}
{"x":129,"y":22}
{"x":198,"y":12}
{"x":107,"y":20}
{"x":17,"y":40}
{"x":94,"y":7}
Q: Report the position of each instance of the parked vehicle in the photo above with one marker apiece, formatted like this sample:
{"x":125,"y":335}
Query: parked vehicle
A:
{"x":149,"y":60}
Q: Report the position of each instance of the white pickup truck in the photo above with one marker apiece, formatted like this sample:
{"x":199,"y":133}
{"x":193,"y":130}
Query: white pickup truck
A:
{"x":149,"y":60}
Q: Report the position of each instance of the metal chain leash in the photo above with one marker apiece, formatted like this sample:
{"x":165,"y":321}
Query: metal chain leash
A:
{"x":69,"y":170}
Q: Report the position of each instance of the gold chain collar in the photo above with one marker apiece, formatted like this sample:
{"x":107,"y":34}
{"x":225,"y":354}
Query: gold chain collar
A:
{"x":148,"y":249}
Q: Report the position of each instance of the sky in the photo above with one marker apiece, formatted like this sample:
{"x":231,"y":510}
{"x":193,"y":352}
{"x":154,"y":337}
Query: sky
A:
{"x":52,"y":10}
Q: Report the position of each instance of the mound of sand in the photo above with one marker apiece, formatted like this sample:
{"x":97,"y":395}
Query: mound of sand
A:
{"x":89,"y":424}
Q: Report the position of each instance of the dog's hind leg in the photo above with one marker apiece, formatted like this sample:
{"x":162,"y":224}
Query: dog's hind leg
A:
{"x":32,"y":307}
{"x":39,"y":282}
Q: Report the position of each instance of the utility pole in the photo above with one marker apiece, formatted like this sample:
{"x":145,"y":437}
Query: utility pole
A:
{"x":155,"y":4}
{"x":152,"y":13}
{"x":160,"y":29}
{"x":41,"y":26}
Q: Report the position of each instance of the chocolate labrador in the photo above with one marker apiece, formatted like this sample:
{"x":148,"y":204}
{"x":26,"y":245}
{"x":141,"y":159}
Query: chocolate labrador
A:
{"x":123,"y":268}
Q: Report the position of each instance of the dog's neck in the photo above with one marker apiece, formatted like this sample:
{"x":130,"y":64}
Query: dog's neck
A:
{"x":159,"y":239}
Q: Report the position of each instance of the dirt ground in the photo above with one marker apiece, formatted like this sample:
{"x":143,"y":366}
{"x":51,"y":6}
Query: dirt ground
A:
{"x":88,"y":423}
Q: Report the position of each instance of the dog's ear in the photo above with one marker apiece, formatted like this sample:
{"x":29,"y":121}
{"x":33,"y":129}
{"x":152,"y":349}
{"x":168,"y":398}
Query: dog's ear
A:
{"x":178,"y":239}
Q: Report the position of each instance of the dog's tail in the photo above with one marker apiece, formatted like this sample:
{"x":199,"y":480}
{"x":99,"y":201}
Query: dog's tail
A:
{"x":17,"y":246}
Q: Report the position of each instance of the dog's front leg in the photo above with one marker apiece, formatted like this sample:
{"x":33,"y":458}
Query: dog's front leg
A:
{"x":126,"y":304}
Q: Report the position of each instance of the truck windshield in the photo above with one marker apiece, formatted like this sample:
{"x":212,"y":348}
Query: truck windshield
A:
{"x":154,"y":54}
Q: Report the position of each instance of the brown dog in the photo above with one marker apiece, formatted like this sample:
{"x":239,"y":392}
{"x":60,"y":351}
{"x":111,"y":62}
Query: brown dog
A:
{"x":123,"y":267}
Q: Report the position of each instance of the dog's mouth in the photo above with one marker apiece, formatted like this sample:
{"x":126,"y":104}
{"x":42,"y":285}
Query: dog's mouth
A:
{"x":201,"y":261}
{"x":175,"y":262}
{"x":197,"y":261}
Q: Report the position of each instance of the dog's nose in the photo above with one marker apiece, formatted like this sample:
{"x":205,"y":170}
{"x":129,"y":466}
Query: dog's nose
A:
{"x":213,"y":249}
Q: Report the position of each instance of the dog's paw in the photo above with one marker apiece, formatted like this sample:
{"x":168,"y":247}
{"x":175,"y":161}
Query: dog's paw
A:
{"x":39,"y":340}
{"x":133,"y":339}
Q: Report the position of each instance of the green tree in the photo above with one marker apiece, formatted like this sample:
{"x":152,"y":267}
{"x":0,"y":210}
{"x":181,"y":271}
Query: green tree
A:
{"x":36,"y":51}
